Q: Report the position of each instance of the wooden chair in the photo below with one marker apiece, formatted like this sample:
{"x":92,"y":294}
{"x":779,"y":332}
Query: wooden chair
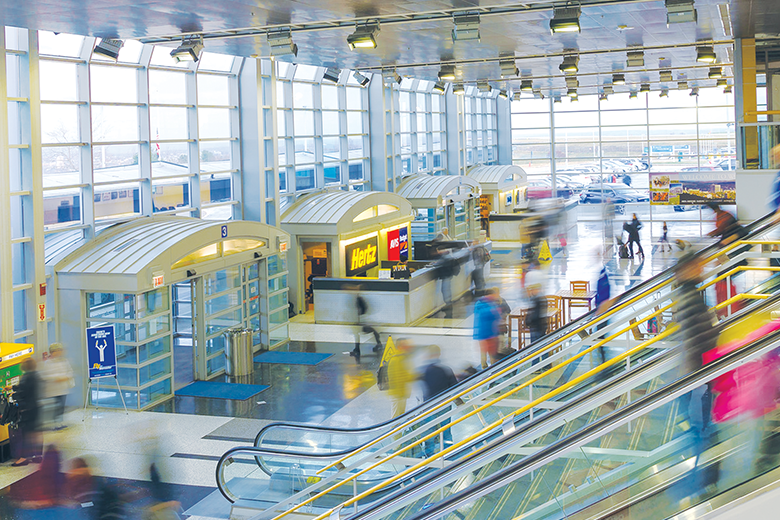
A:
{"x":579,"y":286}
{"x":554,"y":313}
{"x":518,"y":318}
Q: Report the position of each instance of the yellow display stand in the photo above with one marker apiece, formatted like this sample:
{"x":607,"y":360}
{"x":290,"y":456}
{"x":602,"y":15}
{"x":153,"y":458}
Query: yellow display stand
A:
{"x":11,"y":356}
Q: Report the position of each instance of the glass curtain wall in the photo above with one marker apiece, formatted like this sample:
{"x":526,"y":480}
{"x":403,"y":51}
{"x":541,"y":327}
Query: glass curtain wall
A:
{"x":321,"y":132}
{"x":419,"y":126}
{"x":622,"y":140}
{"x":480,"y":127}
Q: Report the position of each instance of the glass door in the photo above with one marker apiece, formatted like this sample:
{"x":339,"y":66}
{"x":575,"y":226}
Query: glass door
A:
{"x":184,"y":330}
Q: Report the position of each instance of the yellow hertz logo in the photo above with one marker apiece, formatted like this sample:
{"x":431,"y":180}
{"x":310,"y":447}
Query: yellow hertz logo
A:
{"x":363,"y":257}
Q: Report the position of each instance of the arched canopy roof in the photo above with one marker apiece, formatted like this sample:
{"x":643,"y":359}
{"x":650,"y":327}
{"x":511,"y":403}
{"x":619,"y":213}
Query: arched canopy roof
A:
{"x":125,"y":257}
{"x":498,"y":178}
{"x":424,"y":191}
{"x":340,"y":212}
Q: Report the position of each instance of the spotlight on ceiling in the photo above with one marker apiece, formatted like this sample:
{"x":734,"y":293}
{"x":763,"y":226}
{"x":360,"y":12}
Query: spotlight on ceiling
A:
{"x":281,"y":42}
{"x":360,"y":78}
{"x":508,"y":68}
{"x":484,"y":86}
{"x":189,"y":50}
{"x":666,"y":75}
{"x":570,"y":64}
{"x":722,"y":82}
{"x":516,"y":96}
{"x":447,"y":73}
{"x":458,"y":89}
{"x":527,"y":85}
{"x":466,"y":27}
{"x":602,"y":97}
{"x":715,"y":73}
{"x":391,"y":76}
{"x":608,"y":89}
{"x":727,"y":89}
{"x":332,"y":74}
{"x":538,"y":93}
{"x":556,"y":99}
{"x":572,"y":93}
{"x":503,"y":94}
{"x":364,"y":36}
{"x":635,"y":59}
{"x":633,"y":94}
{"x":439,"y":87}
{"x":664,"y":93}
{"x":565,"y":20}
{"x":618,"y":79}
{"x":706,"y":54}
{"x":680,"y":11}
{"x":644,"y":87}
{"x":695,"y":91}
{"x":572,"y":82}
{"x":109,"y":48}
{"x":682,"y":85}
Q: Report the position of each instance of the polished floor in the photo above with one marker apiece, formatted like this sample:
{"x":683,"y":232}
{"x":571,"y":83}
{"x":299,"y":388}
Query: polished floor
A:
{"x":186,"y":436}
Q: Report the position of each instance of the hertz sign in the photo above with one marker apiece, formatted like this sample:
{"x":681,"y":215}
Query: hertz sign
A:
{"x":362,"y":256}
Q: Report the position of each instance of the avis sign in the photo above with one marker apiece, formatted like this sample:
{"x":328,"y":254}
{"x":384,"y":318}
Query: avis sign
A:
{"x":101,"y":351}
{"x":361,"y":256}
{"x":398,"y":244}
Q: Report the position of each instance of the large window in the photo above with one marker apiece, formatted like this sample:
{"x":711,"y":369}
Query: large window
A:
{"x":480,"y":127}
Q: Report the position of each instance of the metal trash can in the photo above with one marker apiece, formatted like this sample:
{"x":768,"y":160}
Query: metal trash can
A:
{"x":238,"y":352}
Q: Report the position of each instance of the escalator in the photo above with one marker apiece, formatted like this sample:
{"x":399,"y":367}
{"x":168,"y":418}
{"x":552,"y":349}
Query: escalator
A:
{"x":292,"y":465}
{"x":637,"y":461}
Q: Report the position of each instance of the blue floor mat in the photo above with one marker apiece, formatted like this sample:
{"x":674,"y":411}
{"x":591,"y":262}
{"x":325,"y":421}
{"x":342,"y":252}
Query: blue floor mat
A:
{"x":291,"y":358}
{"x":216,"y":390}
{"x":500,"y":251}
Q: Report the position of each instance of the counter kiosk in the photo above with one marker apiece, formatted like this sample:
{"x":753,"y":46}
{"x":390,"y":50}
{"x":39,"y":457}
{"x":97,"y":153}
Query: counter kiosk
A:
{"x":343,"y":234}
{"x":442,"y":201}
{"x":503,"y":190}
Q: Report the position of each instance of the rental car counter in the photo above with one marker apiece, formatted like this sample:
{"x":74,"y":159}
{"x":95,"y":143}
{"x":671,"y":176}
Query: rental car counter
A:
{"x":392,"y":302}
{"x":345,"y":235}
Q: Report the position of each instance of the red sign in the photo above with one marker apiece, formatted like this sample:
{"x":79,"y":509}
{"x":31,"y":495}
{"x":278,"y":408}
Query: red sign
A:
{"x":393,"y":246}
{"x":41,"y":312}
{"x":158,"y":281}
{"x":283,"y":247}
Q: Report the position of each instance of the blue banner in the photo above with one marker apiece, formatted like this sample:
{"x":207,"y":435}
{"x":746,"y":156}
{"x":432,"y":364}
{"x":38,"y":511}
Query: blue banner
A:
{"x":101,"y":352}
{"x":403,"y":239}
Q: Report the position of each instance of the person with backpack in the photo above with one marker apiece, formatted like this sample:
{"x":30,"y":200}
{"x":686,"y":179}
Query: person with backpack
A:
{"x":437,"y":378}
{"x":361,"y":307}
{"x":446,"y":267}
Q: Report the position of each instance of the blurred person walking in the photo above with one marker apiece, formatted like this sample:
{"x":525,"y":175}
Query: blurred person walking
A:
{"x":608,"y":216}
{"x":632,"y":228}
{"x":536,"y":315}
{"x":400,"y":377}
{"x":603,"y":303}
{"x":486,"y":319}
{"x":480,"y":257}
{"x":444,"y":236}
{"x":27,"y":395}
{"x":436,"y":379}
{"x":57,"y":376}
{"x":726,"y":226}
{"x":361,"y":308}
{"x":447,"y":266}
{"x":665,"y":239}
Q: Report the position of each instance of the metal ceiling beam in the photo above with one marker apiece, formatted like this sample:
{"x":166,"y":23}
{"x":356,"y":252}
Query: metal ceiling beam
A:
{"x":422,"y":16}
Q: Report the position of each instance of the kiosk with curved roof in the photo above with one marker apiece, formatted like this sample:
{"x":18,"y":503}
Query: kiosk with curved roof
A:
{"x":503,"y":187}
{"x":343,"y":234}
{"x":169,"y":287}
{"x":442,"y":201}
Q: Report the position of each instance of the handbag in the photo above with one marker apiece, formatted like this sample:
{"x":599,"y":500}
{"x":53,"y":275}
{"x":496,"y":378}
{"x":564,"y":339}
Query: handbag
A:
{"x":381,"y":378}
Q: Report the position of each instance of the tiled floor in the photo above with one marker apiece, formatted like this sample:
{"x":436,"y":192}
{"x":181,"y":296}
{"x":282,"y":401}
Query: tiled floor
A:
{"x":186,"y":436}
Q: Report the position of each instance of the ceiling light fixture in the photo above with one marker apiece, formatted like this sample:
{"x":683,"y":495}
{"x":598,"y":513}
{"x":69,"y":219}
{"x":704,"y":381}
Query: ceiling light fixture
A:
{"x":602,"y":97}
{"x":466,"y":27}
{"x":572,"y":82}
{"x":556,"y":99}
{"x":527,"y":85}
{"x":570,"y":64}
{"x":572,"y":93}
{"x":635,"y":59}
{"x":608,"y":89}
{"x":722,"y":82}
{"x":109,"y":48}
{"x":439,"y":87}
{"x":644,"y":87}
{"x":189,"y":50}
{"x":391,"y":76}
{"x":618,"y":79}
{"x":508,"y":68}
{"x":715,"y":73}
{"x":682,"y":85}
{"x":633,"y":94}
{"x":664,"y":93}
{"x":332,"y":74}
{"x":516,"y":96}
{"x":706,"y":54}
{"x":727,"y":89}
{"x":364,"y":36}
{"x":666,"y":75}
{"x":280,"y":41}
{"x":458,"y":89}
{"x":695,"y":91}
{"x":360,"y":78}
{"x":447,"y":73}
{"x":503,"y":94}
{"x":484,"y":86}
{"x":565,"y":20}
{"x":680,"y":11}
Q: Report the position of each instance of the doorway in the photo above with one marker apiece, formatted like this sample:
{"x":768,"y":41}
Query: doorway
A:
{"x":316,"y":263}
{"x":184,"y":330}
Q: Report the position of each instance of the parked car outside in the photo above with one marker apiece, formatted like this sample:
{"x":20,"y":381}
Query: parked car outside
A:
{"x":618,"y":193}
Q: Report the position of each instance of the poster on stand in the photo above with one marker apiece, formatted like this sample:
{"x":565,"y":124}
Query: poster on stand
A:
{"x":693,"y":188}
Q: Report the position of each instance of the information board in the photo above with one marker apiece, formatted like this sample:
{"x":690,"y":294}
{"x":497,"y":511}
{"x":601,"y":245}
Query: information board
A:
{"x":101,"y":351}
{"x":693,"y":188}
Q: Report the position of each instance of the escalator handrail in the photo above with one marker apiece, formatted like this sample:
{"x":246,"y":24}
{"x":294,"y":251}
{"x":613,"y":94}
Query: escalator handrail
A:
{"x":585,"y":434}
